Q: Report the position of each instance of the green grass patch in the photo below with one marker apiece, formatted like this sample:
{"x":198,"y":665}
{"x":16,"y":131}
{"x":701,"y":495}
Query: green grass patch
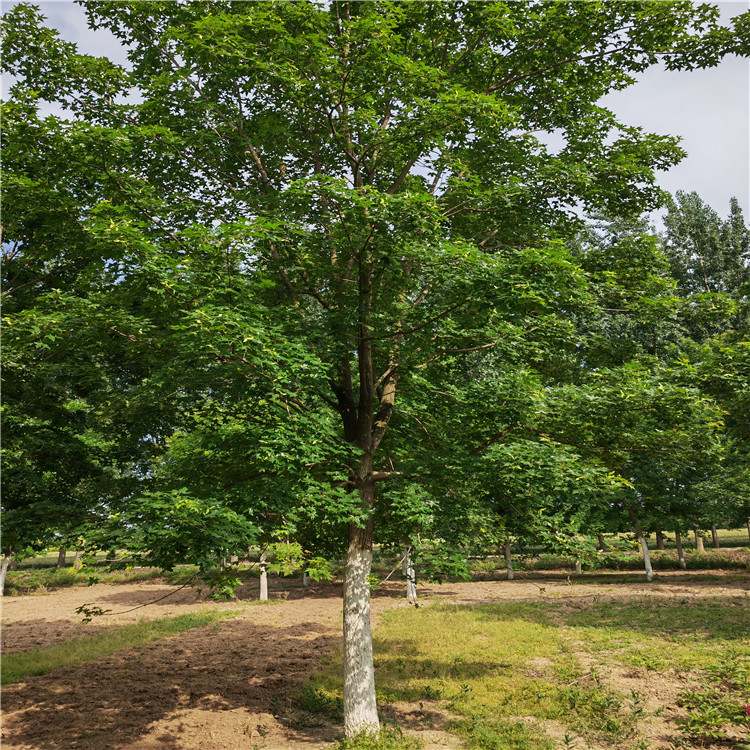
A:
{"x":389,"y":738}
{"x":506,"y":668}
{"x":491,"y":664}
{"x":22,"y":582}
{"x":86,"y":648}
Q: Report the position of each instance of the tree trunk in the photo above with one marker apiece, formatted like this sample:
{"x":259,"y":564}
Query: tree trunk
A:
{"x":644,"y":544}
{"x":659,"y":540}
{"x":748,"y":528}
{"x":77,"y":561}
{"x":411,"y":578}
{"x":263,"y":578}
{"x":714,"y":536}
{"x":305,"y":579}
{"x":509,"y":560}
{"x":603,"y":546}
{"x":680,"y":551}
{"x":579,"y":569}
{"x":360,"y":708}
{"x":7,"y":557}
{"x":61,"y":557}
{"x":4,"y":567}
{"x":699,"y":541}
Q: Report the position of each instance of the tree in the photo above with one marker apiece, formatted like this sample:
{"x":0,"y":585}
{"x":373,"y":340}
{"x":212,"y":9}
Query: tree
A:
{"x":710,"y":260}
{"x":646,"y":427}
{"x":324,"y":205}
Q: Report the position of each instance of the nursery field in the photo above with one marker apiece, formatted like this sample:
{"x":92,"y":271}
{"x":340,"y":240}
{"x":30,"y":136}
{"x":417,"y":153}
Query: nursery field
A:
{"x":547,"y":661}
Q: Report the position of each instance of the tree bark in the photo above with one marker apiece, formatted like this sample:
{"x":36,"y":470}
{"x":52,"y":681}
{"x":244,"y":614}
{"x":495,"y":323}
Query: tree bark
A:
{"x":305,"y":579}
{"x":659,"y":540}
{"x":748,"y":528}
{"x":263,"y":578}
{"x":603,"y":546}
{"x":715,"y":536}
{"x":642,"y":541}
{"x":4,"y":567}
{"x":699,"y":541}
{"x":579,"y":569}
{"x":77,"y":561}
{"x":680,"y":551}
{"x":360,"y":707}
{"x":61,"y":557}
{"x":509,"y":560}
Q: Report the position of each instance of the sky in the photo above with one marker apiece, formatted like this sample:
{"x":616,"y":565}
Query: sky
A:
{"x":709,"y":109}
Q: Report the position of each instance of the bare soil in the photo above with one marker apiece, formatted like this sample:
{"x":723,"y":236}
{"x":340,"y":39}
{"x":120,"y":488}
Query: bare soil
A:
{"x":231,"y":685}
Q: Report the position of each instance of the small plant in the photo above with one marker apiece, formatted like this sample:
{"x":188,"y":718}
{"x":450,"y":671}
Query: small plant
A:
{"x":431,"y":693}
{"x":569,"y":742}
{"x":721,"y":708}
{"x":390,"y":737}
{"x":637,"y":709}
{"x":318,"y":701}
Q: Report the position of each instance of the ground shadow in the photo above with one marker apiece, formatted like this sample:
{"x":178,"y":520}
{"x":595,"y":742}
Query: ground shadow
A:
{"x":113,"y":701}
{"x":724,"y":617}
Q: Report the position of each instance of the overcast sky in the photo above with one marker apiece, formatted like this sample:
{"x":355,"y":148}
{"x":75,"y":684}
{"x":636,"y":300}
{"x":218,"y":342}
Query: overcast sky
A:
{"x":710,"y":109}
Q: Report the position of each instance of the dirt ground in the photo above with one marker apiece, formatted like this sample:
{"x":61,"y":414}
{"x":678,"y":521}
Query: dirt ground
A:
{"x":228,"y":686}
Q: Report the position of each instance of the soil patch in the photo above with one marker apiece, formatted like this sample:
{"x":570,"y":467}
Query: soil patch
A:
{"x":230,"y":685}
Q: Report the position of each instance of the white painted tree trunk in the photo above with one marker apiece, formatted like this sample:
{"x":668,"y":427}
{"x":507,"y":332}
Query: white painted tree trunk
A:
{"x":263,"y":578}
{"x":509,"y":560}
{"x":360,"y":708}
{"x":680,"y":551}
{"x":579,"y":569}
{"x":61,"y":557}
{"x":4,"y":569}
{"x":411,"y":578}
{"x":646,"y":557}
{"x":642,"y":541}
{"x":699,"y":542}
{"x":305,"y":579}
{"x":715,"y":536}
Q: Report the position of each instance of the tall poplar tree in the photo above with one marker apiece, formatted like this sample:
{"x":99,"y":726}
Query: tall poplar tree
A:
{"x":313,"y":208}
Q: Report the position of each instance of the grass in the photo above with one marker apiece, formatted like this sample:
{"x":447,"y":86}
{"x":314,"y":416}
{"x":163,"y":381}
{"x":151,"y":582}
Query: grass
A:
{"x":505,"y":669}
{"x":389,"y":738}
{"x":40,"y":579}
{"x":40,"y":661}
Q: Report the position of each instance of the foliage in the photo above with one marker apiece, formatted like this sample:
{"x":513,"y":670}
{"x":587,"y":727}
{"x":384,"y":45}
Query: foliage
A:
{"x":722,"y":708}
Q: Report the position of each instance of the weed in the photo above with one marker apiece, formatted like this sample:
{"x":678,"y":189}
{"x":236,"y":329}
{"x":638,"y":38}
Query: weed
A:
{"x":637,"y":709}
{"x":390,"y":737}
{"x":486,"y":732}
{"x":318,"y":701}
{"x":721,"y":708}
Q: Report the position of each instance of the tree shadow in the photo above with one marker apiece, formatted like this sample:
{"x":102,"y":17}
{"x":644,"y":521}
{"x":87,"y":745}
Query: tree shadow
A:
{"x":115,"y":700}
{"x":720,"y":617}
